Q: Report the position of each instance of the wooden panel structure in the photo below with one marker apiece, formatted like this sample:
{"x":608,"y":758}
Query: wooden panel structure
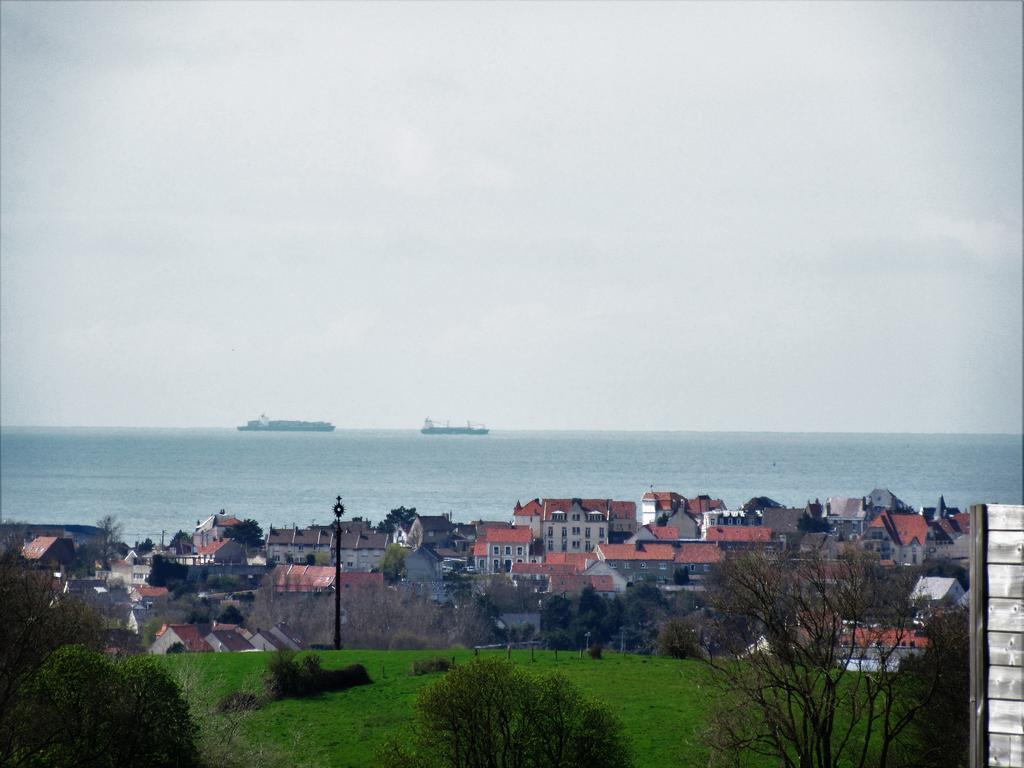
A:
{"x":997,"y":636}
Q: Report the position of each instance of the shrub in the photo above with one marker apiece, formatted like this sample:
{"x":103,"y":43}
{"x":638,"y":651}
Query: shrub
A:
{"x":240,"y":701}
{"x":287,"y":678}
{"x":595,"y":651}
{"x":178,"y":647}
{"x":427,"y":666}
{"x":678,"y":639}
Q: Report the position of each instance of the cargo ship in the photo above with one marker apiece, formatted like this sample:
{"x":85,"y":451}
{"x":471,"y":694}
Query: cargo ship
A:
{"x":432,"y":428}
{"x":263,"y":424}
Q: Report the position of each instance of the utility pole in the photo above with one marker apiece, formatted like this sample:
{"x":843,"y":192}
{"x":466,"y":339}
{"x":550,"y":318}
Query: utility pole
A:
{"x":339,"y":510}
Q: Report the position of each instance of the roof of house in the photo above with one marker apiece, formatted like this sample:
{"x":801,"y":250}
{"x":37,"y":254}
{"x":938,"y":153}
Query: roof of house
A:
{"x":703,"y":503}
{"x":698,"y":553}
{"x":760,"y":503}
{"x":231,"y":639}
{"x":532,"y":508}
{"x":783,"y":519}
{"x":637,"y":551}
{"x":665,"y":501}
{"x":934,"y":588}
{"x":286,"y":631}
{"x":215,"y":546}
{"x":622,"y":510}
{"x":40,"y":545}
{"x":577,"y":559}
{"x":508,"y":536}
{"x":542,"y":569}
{"x":902,"y":529}
{"x":434,"y":522}
{"x":146,"y":591}
{"x":847,"y":508}
{"x":887,"y":637}
{"x":573,"y":582}
{"x":190,"y":635}
{"x":738,"y":533}
{"x":303,"y":578}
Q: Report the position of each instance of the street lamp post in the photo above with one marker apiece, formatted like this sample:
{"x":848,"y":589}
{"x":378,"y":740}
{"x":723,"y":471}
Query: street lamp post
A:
{"x":339,"y":510}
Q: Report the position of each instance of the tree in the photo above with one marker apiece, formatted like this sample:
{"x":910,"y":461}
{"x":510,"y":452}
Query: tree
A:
{"x":35,"y":624}
{"x":679,"y":639}
{"x":492,"y":714}
{"x":806,"y":651}
{"x":182,"y":537}
{"x":231,"y":615}
{"x":86,"y":710}
{"x":247,"y":533}
{"x":164,"y":573}
{"x":108,"y":540}
{"x":392,"y":565}
{"x":145,"y":546}
{"x":941,"y":735}
{"x":398,"y":517}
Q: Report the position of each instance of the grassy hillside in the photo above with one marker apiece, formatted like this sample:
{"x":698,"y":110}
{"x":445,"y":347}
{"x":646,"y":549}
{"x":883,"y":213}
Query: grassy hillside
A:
{"x":663,"y":703}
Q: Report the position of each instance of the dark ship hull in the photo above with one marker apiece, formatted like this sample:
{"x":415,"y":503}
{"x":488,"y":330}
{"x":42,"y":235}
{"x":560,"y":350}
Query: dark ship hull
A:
{"x":287,"y":426}
{"x":454,"y":431}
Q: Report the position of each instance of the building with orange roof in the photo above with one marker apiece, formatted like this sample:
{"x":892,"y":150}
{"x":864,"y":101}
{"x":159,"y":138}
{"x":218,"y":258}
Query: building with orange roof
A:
{"x":639,"y":560}
{"x":191,"y":636}
{"x":320,"y":578}
{"x":899,"y":537}
{"x":221,"y":551}
{"x":498,"y":549}
{"x":213,"y":528}
{"x":579,"y":560}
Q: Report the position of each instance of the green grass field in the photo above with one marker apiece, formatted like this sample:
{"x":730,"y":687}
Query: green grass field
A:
{"x":662,"y":703}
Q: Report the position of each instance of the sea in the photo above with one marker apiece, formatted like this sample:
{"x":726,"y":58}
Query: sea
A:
{"x":157,"y":481}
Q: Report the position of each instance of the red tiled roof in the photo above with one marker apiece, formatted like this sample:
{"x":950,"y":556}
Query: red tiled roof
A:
{"x":703,"y":503}
{"x":576,"y":559}
{"x":902,"y":529}
{"x":188,"y":634}
{"x":213,"y":546}
{"x":532,"y":508}
{"x":227,"y":522}
{"x":963,"y":521}
{"x":36,"y":548}
{"x":508,"y":536}
{"x":888,"y":637}
{"x":622,"y":510}
{"x":641,"y":551}
{"x":664,"y":532}
{"x":736,"y":533}
{"x":698,"y":553}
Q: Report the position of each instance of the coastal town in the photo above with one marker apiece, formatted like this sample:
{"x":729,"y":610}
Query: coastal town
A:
{"x":227,"y":585}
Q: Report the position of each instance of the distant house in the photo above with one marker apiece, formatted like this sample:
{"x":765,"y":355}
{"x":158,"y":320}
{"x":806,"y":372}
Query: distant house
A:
{"x":228,"y":640}
{"x":501,"y":548}
{"x":430,"y":529}
{"x":279,"y":637}
{"x":214,"y":528}
{"x":898,"y":537}
{"x":191,"y":636}
{"x":320,"y":578}
{"x":52,"y":551}
{"x":147,"y":595}
{"x":575,"y":525}
{"x":566,"y":584}
{"x":697,"y":558}
{"x":784,"y":521}
{"x":760,"y":504}
{"x":222,"y":551}
{"x":423,"y":564}
{"x":660,"y":504}
{"x":362,"y":551}
{"x":529,"y":516}
{"x":579,"y":560}
{"x":129,"y":572}
{"x":740,"y":537}
{"x":665,"y":533}
{"x":821,"y":544}
{"x":296,"y":545}
{"x":936,"y":589}
{"x":640,"y":560}
{"x":847,"y":516}
{"x":883,"y":500}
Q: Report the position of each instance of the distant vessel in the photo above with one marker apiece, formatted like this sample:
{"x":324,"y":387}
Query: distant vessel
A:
{"x":430,"y":428}
{"x":263,"y":424}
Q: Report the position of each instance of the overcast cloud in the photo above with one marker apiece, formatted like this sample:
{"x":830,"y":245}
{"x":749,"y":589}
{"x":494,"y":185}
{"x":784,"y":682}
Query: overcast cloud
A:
{"x":646,"y":216}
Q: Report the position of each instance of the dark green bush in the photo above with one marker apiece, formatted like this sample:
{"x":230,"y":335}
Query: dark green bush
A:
{"x":287,"y":678}
{"x":595,"y":651}
{"x":240,"y":701}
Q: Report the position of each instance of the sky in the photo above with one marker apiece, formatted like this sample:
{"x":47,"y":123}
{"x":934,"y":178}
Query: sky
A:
{"x":691,"y":216}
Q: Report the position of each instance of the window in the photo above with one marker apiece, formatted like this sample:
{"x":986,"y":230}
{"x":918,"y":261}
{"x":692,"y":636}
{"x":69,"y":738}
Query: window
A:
{"x":551,"y":530}
{"x":588,"y":531}
{"x":508,"y":550}
{"x":661,"y":566}
{"x":497,"y":565}
{"x":707,"y":568}
{"x":496,"y":550}
{"x":643,"y":565}
{"x":575,"y":517}
{"x":575,"y":544}
{"x":519,"y":551}
{"x":693,"y":567}
{"x":627,"y":566}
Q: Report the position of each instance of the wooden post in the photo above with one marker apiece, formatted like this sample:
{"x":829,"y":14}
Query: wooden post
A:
{"x":977,"y":636}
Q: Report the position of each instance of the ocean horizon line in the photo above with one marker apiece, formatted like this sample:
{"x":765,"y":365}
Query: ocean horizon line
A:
{"x":526,"y":430}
